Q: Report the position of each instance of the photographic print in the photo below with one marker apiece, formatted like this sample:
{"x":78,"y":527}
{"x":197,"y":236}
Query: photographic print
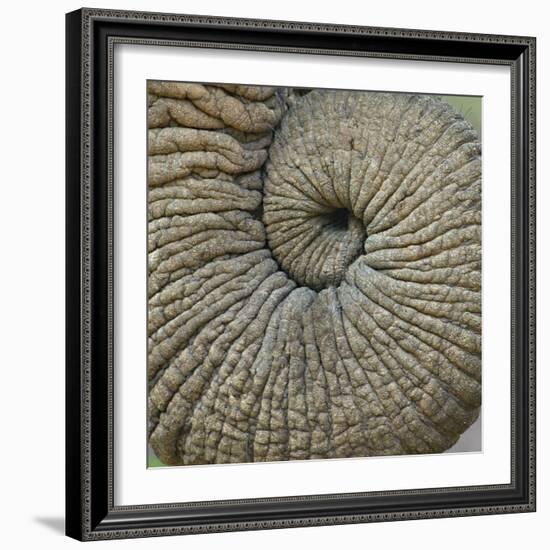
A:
{"x":314,"y":273}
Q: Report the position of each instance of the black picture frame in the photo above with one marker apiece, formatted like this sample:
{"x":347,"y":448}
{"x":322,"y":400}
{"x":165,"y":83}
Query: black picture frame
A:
{"x":90,"y":510}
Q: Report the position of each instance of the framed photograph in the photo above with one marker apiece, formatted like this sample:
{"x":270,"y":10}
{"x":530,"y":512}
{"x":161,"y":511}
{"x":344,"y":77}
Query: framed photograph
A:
{"x":300,"y":274}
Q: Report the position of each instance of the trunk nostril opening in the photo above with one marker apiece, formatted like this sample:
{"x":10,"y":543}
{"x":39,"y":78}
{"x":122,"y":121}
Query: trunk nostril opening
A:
{"x":337,"y":220}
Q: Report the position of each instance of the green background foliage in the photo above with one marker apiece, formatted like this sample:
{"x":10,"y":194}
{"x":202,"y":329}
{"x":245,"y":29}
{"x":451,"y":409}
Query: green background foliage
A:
{"x":468,"y":106}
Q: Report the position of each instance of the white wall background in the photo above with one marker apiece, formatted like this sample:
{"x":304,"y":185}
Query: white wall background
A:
{"x":32,"y":274}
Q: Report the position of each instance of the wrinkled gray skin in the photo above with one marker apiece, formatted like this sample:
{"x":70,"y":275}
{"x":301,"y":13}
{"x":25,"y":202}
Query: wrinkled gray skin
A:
{"x":314,"y":274}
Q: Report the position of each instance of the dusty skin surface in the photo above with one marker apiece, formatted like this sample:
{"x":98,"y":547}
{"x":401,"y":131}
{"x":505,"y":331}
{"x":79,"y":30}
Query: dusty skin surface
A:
{"x":314,"y":274}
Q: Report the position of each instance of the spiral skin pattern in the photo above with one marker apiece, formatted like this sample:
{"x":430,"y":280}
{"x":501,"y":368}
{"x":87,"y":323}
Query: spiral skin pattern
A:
{"x":314,"y":274}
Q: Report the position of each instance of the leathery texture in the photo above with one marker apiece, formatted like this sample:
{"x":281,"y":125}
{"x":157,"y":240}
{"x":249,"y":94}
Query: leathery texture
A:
{"x":314,"y":274}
